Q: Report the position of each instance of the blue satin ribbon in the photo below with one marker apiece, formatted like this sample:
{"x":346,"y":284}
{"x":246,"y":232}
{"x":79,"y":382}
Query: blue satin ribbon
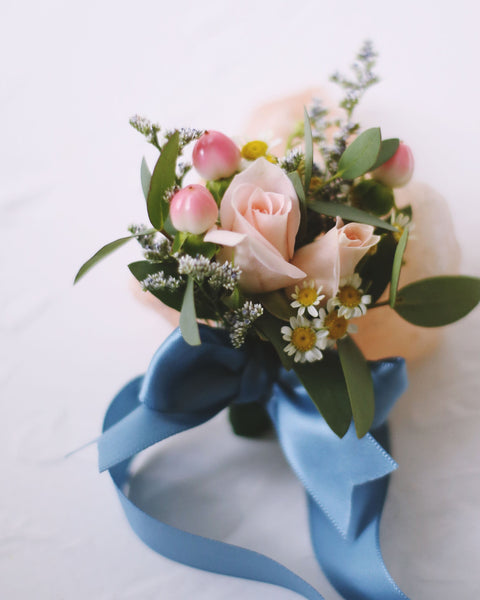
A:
{"x":345,"y":479}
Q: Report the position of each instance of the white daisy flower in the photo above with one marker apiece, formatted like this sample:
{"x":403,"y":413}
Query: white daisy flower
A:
{"x":350,"y":299}
{"x":306,"y":339}
{"x":262,"y":147}
{"x":307,"y":298}
{"x":335,"y":326}
{"x":401,"y":221}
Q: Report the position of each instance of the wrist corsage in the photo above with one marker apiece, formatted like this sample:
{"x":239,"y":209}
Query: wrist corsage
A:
{"x":272,"y":262}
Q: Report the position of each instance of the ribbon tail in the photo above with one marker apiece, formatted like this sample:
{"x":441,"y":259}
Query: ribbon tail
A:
{"x":346,"y":482}
{"x":366,"y":576}
{"x":181,"y":546}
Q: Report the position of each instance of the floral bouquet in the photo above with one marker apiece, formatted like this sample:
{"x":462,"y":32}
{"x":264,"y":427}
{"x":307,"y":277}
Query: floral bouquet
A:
{"x":271,"y":261}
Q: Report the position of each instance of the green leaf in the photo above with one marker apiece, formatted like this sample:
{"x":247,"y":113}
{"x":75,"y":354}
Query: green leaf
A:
{"x":323,"y":380}
{"x":297,"y":184}
{"x":188,"y":316}
{"x":387,"y":150}
{"x":172,"y":298}
{"x":270,"y":329}
{"x":194,"y":245}
{"x":350,"y":213}
{"x":145,"y":177}
{"x":438,"y":301}
{"x":308,"y":150}
{"x":373,"y":197}
{"x":179,"y":240}
{"x":249,"y":420}
{"x":163,"y":178}
{"x":361,"y":155}
{"x":376,"y":269}
{"x":141,"y":269}
{"x":359,"y":384}
{"x":103,"y":252}
{"x":218,"y":187}
{"x":397,"y":265}
{"x":277,"y":304}
{"x":169,"y":228}
{"x":325,"y":384}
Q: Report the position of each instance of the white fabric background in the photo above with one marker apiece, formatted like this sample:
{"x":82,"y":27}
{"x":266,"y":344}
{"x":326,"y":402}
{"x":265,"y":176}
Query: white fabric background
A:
{"x":71,"y":75}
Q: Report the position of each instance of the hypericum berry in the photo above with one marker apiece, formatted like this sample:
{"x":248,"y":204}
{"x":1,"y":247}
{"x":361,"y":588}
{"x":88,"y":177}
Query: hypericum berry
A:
{"x":216,"y":156}
{"x":398,"y":170}
{"x":193,"y":209}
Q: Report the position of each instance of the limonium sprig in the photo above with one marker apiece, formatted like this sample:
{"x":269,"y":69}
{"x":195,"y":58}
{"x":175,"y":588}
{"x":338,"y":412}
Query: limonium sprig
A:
{"x":219,"y":275}
{"x":157,"y":281}
{"x":241,"y":320}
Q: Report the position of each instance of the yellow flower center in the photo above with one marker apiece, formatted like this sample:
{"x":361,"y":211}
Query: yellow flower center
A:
{"x":271,"y":158}
{"x":307,"y":296}
{"x":304,"y":338}
{"x":398,"y":234}
{"x":349,"y":296}
{"x":254,"y":150}
{"x":337,"y":326}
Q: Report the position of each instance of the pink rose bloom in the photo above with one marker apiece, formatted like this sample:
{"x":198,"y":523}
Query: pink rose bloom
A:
{"x":260,"y":217}
{"x":335,"y":254}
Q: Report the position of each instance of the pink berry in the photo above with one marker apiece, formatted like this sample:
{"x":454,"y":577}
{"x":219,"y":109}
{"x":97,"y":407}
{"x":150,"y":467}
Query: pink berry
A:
{"x":216,"y":156}
{"x":398,"y":170}
{"x":193,"y":209}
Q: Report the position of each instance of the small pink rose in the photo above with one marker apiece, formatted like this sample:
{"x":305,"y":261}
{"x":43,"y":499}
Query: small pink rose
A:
{"x":397,"y":171}
{"x":260,"y":217}
{"x":335,"y":254}
{"x":193,"y":209}
{"x":216,"y":156}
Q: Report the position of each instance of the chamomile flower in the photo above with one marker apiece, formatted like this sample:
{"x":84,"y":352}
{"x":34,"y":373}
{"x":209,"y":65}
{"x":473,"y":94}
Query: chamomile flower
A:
{"x":401,"y":221}
{"x":260,"y":148}
{"x":305,"y":339}
{"x":335,"y":326}
{"x":307,"y":298}
{"x":350,"y":299}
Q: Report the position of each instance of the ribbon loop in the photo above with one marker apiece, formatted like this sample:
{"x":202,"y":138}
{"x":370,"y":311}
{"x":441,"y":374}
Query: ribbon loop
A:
{"x":345,"y":479}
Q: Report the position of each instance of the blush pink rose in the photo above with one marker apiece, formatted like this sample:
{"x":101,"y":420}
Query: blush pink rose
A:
{"x":260,"y":217}
{"x":335,"y":254}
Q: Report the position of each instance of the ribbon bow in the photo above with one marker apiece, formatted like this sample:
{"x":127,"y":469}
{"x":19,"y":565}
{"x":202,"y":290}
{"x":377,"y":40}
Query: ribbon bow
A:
{"x":345,"y":479}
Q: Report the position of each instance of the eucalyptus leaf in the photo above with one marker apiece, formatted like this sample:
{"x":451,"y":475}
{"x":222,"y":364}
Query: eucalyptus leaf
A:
{"x":376,"y":269}
{"x":397,"y":266}
{"x":438,"y":301}
{"x":325,"y":384}
{"x":188,"y":316}
{"x":163,"y":178}
{"x":103,"y":252}
{"x":308,"y":150}
{"x":350,"y":213}
{"x":145,"y":177}
{"x":387,"y":150}
{"x":359,"y":383}
{"x":360,"y":155}
{"x":297,"y":184}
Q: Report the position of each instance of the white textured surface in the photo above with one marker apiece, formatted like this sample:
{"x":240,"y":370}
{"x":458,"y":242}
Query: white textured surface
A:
{"x":72,"y":74}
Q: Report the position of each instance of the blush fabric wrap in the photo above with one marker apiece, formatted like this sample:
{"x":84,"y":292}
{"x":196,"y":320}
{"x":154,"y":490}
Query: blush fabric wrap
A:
{"x":345,"y":479}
